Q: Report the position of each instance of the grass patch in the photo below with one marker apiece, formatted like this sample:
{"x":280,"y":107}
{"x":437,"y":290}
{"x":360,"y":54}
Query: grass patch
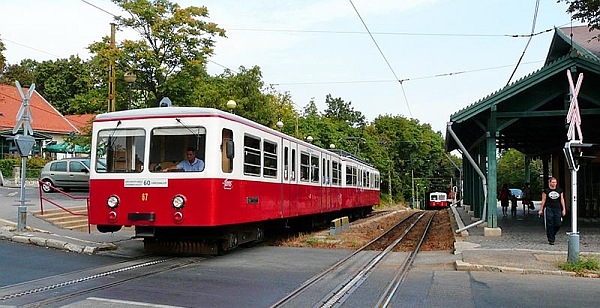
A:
{"x":585,"y":265}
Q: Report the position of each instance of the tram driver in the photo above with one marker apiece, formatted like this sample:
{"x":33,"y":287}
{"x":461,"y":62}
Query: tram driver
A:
{"x":191,"y":163}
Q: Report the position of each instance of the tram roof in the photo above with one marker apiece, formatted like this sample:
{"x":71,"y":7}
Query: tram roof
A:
{"x":163,"y":112}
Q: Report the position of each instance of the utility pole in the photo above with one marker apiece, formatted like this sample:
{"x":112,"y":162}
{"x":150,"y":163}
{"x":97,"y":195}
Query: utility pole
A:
{"x":111,"y":71}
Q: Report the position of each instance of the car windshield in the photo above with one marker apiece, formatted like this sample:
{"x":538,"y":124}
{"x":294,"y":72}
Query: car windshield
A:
{"x":86,"y":163}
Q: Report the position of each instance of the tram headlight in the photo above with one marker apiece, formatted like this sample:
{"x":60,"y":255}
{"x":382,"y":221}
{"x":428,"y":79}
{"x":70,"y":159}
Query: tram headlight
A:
{"x":112,"y":202}
{"x":178,"y":202}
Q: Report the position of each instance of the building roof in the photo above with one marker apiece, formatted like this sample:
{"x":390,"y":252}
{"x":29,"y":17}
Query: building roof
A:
{"x":529,"y":114}
{"x":580,"y":38}
{"x":83,"y":122}
{"x":46,"y":119}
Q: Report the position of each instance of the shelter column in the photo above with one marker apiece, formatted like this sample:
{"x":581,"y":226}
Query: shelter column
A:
{"x":492,"y":175}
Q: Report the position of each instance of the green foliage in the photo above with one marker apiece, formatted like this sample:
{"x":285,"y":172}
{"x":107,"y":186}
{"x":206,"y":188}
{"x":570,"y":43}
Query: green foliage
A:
{"x":585,"y":265}
{"x":34,"y":166}
{"x":2,"y":57}
{"x":511,"y":171}
{"x":61,"y":80}
{"x":587,"y":11}
{"x":173,"y":41}
{"x":24,"y":72}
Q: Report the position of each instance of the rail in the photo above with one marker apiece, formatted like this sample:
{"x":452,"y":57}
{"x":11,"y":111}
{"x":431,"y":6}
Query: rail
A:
{"x":42,"y":198}
{"x":342,"y":290}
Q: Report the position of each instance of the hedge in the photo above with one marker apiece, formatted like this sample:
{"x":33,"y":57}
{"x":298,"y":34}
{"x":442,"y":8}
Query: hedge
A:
{"x":34,"y":166}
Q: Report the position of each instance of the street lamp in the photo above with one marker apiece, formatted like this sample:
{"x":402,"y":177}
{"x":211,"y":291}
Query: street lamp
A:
{"x":279,"y":124}
{"x":309,"y":139}
{"x":231,"y":104}
{"x":130,"y":79}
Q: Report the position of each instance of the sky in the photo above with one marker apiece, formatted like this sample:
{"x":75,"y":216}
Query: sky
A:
{"x":448,"y":53}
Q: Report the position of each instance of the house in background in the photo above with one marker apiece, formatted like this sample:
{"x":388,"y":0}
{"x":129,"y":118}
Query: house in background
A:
{"x":50,"y":127}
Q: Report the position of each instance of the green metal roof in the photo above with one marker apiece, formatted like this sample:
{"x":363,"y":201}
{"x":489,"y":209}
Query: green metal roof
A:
{"x":534,"y":106}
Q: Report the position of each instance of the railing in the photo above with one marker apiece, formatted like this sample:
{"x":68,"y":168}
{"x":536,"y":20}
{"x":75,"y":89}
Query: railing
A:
{"x":42,"y":198}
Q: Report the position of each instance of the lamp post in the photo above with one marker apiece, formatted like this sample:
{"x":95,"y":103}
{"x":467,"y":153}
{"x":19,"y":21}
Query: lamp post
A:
{"x":130,"y":79}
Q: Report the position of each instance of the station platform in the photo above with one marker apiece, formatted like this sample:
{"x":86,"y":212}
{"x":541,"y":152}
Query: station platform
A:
{"x":522,"y":246}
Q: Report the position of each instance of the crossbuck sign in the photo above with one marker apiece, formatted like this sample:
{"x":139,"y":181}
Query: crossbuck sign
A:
{"x":573,"y":116}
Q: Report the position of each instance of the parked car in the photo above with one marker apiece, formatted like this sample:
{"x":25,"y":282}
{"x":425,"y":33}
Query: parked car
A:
{"x":517,"y":193}
{"x":68,"y":173}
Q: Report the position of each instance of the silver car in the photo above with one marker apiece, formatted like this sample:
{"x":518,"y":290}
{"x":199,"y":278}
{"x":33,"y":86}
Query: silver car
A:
{"x":67,"y":173}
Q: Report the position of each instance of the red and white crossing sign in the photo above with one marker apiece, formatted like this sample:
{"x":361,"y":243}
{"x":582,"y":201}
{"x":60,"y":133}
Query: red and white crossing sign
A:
{"x":24,"y":117}
{"x":573,"y":116}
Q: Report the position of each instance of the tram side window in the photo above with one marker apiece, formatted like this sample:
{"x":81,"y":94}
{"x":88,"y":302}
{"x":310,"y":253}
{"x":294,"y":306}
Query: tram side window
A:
{"x":123,"y":149}
{"x":168,"y":146}
{"x":335,"y":173}
{"x":251,"y":155}
{"x":227,"y":151}
{"x":354,"y":176}
{"x":349,"y":175}
{"x":270,"y":159}
{"x":360,"y":178}
{"x":293,"y":164}
{"x":304,"y":166}
{"x":286,"y":163}
{"x":314,"y":161}
{"x":324,"y":175}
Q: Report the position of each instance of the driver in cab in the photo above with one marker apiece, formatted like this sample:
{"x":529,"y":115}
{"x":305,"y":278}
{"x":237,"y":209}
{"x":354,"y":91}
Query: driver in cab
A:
{"x":191,"y":163}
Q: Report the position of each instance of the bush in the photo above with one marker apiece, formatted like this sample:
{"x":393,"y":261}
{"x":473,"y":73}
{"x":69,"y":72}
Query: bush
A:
{"x":34,"y":166}
{"x":585,"y":265}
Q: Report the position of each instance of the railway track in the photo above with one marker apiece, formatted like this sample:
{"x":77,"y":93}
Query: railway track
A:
{"x":55,"y":289}
{"x":343,"y":278}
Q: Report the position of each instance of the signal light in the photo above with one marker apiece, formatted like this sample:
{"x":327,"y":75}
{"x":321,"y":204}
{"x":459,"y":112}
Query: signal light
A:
{"x":178,"y":217}
{"x":112,"y":216}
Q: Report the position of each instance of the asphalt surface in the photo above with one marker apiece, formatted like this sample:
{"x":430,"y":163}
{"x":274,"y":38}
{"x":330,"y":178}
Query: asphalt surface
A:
{"x":521,"y":248}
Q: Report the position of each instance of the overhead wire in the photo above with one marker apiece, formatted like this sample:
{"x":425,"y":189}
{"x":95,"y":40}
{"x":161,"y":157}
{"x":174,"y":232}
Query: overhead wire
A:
{"x":384,"y":58}
{"x":405,"y":79}
{"x":537,"y":6}
{"x":392,"y":33}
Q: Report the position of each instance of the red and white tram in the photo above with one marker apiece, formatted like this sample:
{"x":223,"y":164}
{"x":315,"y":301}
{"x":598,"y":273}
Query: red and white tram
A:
{"x":252,"y":175}
{"x":437,"y":200}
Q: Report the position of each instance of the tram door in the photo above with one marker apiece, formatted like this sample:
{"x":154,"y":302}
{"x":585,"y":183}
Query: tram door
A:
{"x":289,"y":192}
{"x":326,"y":183}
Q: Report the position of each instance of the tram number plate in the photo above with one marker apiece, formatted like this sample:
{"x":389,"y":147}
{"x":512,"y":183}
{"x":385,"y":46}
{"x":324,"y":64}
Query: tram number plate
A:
{"x":141,"y":216}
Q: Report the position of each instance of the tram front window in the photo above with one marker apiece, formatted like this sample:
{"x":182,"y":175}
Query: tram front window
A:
{"x":123,"y":150}
{"x":169,"y":146}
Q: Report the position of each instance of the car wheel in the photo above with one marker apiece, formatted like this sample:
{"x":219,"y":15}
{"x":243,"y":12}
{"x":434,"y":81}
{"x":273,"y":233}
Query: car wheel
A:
{"x":46,"y":188}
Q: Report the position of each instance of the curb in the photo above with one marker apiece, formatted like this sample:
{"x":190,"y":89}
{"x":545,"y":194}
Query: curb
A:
{"x":28,"y":238}
{"x":464,"y":266}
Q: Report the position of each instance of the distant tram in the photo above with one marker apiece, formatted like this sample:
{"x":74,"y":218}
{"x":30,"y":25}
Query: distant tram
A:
{"x":252,"y":176}
{"x":437,"y":200}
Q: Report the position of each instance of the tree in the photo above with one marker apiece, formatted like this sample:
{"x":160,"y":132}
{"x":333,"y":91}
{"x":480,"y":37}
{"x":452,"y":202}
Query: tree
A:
{"x":61,"y":80}
{"x":511,"y":171}
{"x":2,"y":57}
{"x":588,"y":11}
{"x":23,"y":72}
{"x":339,"y":110}
{"x":401,"y":148}
{"x":172,"y":39}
